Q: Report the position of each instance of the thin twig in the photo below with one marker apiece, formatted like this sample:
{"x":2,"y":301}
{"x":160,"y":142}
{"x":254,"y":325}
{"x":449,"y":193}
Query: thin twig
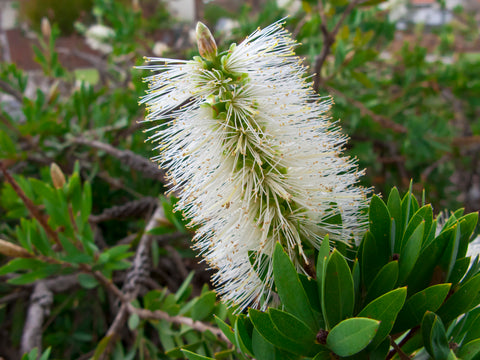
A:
{"x":32,"y":208}
{"x":11,"y":91}
{"x":127,"y":157}
{"x":162,"y":315}
{"x":398,"y":350}
{"x":382,"y":120}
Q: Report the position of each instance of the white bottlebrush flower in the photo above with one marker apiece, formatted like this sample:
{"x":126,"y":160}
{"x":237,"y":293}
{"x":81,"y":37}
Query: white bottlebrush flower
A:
{"x":253,"y":158}
{"x":98,"y":37}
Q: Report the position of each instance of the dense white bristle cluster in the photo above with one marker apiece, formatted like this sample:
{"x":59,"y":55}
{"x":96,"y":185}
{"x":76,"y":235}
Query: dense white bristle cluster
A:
{"x":251,"y":154}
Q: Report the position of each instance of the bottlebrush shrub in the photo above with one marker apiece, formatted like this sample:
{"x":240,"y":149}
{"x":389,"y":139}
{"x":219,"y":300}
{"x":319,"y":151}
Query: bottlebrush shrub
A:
{"x":409,"y":291}
{"x":253,"y":158}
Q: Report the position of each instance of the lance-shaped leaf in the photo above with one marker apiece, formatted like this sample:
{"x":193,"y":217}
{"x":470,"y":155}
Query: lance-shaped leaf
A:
{"x":415,"y":307}
{"x":265,"y":326}
{"x":423,"y":271}
{"x":434,"y":336}
{"x":470,"y":351}
{"x":370,"y":260}
{"x":290,"y":289}
{"x":462,"y":300}
{"x":338,"y":289}
{"x":394,"y":205}
{"x":379,"y":219}
{"x":385,"y":281}
{"x":385,"y":309}
{"x":409,"y":253}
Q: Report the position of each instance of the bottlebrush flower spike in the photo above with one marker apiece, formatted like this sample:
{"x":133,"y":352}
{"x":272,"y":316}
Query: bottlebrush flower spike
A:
{"x":253,"y":158}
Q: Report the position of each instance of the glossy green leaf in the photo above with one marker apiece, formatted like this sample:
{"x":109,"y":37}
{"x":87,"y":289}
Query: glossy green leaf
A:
{"x":243,"y":338}
{"x":381,"y":351}
{"x":409,"y":207}
{"x":394,"y":205}
{"x":385,"y":281}
{"x":410,"y":252}
{"x":462,"y":300}
{"x":265,"y":326}
{"x":423,"y":270}
{"x":203,"y":306}
{"x":384,"y":309}
{"x":450,"y":255}
{"x":473,"y":327}
{"x":429,"y":299}
{"x":324,"y":354}
{"x":434,"y":336}
{"x":470,"y":351}
{"x":459,"y":270}
{"x":262,"y":349}
{"x":339,"y":293}
{"x":226,"y":329}
{"x":379,"y":219}
{"x":352,"y":335}
{"x":425,"y":215}
{"x":371,"y":262}
{"x":291,"y":327}
{"x":321,"y":269}
{"x":467,"y":225}
{"x":290,"y":290}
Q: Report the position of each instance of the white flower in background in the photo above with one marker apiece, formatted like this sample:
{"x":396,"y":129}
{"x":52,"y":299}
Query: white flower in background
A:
{"x":253,"y":158}
{"x":98,"y":37}
{"x":159,"y":48}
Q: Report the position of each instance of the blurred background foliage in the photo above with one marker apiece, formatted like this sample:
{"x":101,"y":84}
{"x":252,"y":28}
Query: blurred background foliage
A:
{"x":408,"y":99}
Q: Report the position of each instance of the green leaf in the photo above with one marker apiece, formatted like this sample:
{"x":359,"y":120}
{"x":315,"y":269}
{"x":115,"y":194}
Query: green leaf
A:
{"x":226,"y":329}
{"x":462,"y":300}
{"x":449,"y":256}
{"x":41,"y":273}
{"x":182,"y":292}
{"x":262,"y":349}
{"x":423,"y":270}
{"x":322,"y":261}
{"x":371,"y":262}
{"x":192,"y":356}
{"x":265,"y":326}
{"x":243,"y":338}
{"x":291,"y":327}
{"x":429,"y":299}
{"x":133,"y":321}
{"x":473,"y":328}
{"x":410,"y":252}
{"x":203,"y":306}
{"x":467,"y":226}
{"x":352,"y":335}
{"x":384,"y":309}
{"x":290,"y":290}
{"x":87,"y":281}
{"x":470,"y":351}
{"x":362,"y":79}
{"x":339,"y":293}
{"x":379,"y":219}
{"x":18,"y":264}
{"x":459,"y":270}
{"x":385,"y":281}
{"x":434,"y":336}
{"x":394,"y":205}
{"x":425,"y":215}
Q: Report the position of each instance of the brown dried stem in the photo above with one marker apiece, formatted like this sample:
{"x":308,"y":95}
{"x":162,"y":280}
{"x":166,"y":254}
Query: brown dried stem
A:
{"x":32,"y":208}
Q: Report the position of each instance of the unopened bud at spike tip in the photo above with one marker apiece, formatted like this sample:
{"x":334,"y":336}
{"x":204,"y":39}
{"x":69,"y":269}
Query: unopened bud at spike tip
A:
{"x":206,"y":43}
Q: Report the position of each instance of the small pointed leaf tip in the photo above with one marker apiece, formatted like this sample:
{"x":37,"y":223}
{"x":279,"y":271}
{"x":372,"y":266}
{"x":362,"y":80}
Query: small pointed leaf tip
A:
{"x":206,"y":43}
